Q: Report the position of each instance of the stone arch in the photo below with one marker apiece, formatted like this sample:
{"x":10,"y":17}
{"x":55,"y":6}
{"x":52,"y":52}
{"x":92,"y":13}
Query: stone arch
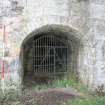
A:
{"x":72,"y":36}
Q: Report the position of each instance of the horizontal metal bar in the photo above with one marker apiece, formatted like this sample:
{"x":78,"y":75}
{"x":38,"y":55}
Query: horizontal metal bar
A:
{"x":50,"y":46}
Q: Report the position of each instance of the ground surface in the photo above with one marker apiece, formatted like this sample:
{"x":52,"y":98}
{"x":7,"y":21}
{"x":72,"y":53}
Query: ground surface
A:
{"x":42,"y":94}
{"x":56,"y":96}
{"x":48,"y":97}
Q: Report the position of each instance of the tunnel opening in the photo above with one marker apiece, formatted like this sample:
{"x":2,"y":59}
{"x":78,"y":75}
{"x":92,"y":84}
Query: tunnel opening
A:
{"x":48,"y":55}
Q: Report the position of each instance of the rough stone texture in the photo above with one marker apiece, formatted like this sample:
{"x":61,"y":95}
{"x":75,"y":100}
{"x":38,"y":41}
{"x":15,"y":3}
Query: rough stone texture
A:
{"x":21,"y":17}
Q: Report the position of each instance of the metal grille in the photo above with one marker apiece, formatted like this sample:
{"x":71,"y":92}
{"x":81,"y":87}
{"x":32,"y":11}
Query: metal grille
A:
{"x":50,"y":55}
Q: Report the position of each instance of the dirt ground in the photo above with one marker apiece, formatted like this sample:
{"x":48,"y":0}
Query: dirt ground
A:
{"x":56,"y":96}
{"x":48,"y":96}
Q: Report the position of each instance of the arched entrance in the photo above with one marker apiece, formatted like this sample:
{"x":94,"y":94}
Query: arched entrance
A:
{"x":49,"y":53}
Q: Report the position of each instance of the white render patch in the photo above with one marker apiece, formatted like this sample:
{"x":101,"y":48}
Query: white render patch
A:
{"x":50,"y":7}
{"x":97,"y":11}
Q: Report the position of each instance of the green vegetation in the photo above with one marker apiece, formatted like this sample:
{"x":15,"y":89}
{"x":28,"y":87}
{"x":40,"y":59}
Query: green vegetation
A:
{"x":85,"y":97}
{"x":88,"y":97}
{"x":65,"y":83}
{"x":88,"y":101}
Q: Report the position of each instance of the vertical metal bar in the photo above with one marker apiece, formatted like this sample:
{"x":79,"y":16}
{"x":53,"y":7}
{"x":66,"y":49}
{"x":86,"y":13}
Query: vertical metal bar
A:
{"x":35,"y":43}
{"x":54,"y":55}
{"x":41,"y":52}
{"x":37,"y":56}
{"x":38,"y":70}
{"x":44,"y":54}
{"x":33,"y":56}
{"x":52,"y":60}
{"x":34,"y":51}
{"x":48,"y":69}
{"x":66,"y":57}
{"x":47,"y":54}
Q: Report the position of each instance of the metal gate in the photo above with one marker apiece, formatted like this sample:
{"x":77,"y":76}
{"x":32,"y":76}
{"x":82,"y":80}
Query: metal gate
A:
{"x":50,"y":55}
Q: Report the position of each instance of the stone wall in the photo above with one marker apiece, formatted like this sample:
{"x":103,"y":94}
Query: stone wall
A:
{"x":96,"y":32}
{"x":20,"y":18}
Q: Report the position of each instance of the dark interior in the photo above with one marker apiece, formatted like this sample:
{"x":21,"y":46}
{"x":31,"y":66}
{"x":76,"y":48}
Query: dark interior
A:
{"x":45,"y":57}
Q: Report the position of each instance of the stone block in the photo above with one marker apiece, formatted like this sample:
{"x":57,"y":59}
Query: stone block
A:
{"x":97,"y":11}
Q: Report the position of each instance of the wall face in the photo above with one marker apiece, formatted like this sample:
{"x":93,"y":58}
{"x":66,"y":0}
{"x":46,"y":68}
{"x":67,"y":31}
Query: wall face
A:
{"x":19,"y":18}
{"x":97,"y":41}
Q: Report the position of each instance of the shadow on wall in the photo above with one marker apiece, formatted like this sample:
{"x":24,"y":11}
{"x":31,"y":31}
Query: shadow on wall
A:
{"x":48,"y":47}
